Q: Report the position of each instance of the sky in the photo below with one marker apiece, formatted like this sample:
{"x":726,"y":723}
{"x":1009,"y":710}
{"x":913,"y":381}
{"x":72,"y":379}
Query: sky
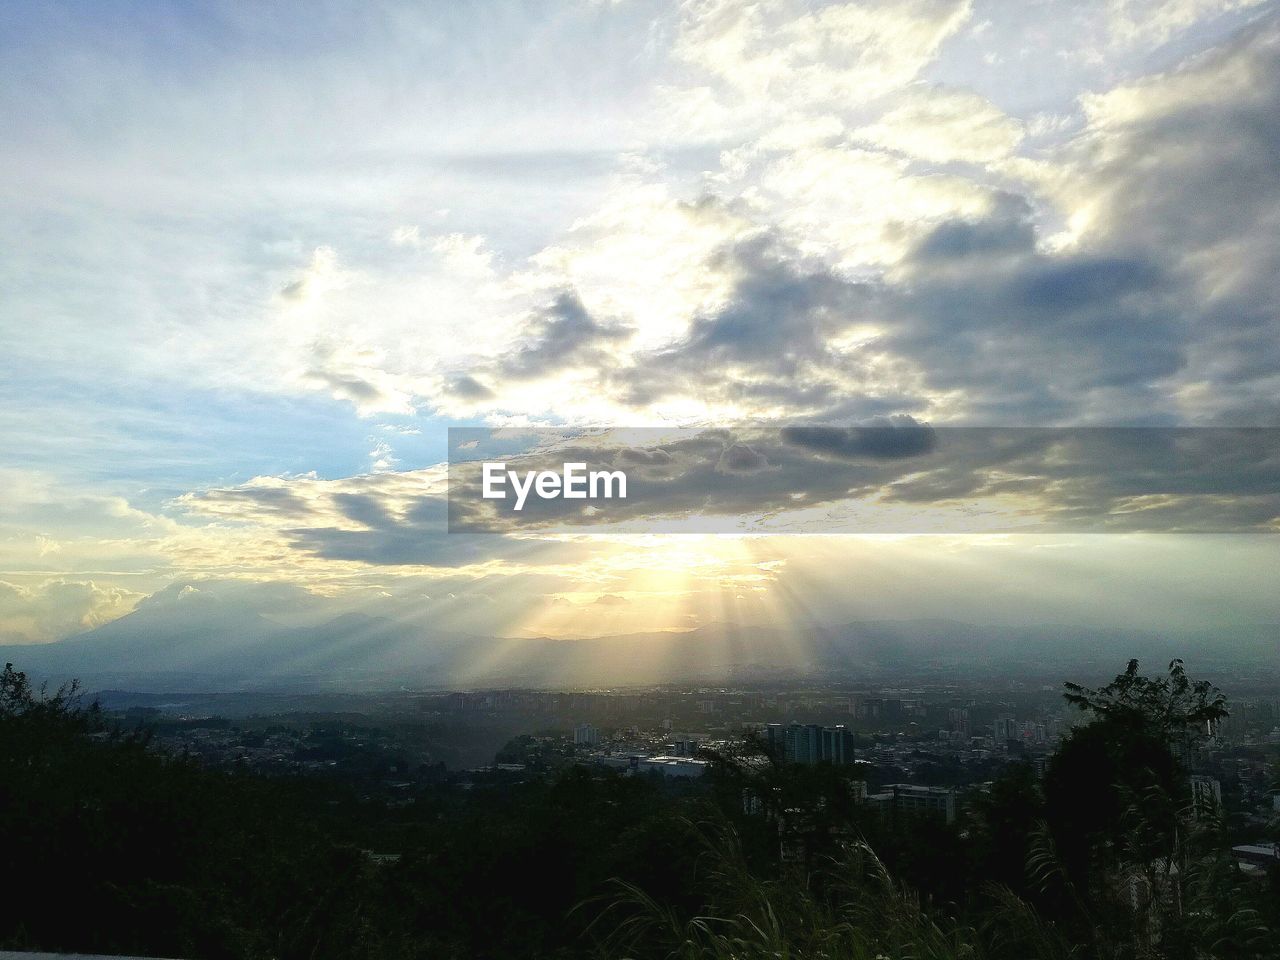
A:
{"x":260,"y":257}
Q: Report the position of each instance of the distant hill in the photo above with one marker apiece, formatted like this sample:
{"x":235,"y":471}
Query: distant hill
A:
{"x":199,"y":642}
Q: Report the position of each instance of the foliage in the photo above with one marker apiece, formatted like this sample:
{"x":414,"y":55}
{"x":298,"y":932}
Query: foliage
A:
{"x":1172,"y":708}
{"x":853,"y":910}
{"x":120,"y":849}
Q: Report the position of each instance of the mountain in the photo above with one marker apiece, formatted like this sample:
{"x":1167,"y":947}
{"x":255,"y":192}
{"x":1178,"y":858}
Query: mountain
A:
{"x":193,"y":641}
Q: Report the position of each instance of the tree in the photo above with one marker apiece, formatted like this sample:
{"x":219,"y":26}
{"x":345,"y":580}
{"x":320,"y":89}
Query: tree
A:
{"x":1117,"y":798}
{"x":1005,"y":820}
{"x":18,"y":698}
{"x":1173,"y":708}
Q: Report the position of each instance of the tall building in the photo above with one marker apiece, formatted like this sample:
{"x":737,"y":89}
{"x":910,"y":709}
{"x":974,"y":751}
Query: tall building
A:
{"x":586,"y":734}
{"x":810,"y":743}
{"x":804,"y":743}
{"x":837,"y":745}
{"x":775,"y":735}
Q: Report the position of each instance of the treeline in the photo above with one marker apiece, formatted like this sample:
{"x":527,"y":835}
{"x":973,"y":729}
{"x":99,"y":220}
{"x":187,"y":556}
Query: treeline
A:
{"x":113,"y":848}
{"x":1108,"y":856}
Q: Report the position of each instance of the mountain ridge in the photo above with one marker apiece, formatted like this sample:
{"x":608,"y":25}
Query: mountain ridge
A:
{"x":211,"y":644}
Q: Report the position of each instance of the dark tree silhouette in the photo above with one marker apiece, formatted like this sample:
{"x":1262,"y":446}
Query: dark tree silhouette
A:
{"x":1173,"y":707}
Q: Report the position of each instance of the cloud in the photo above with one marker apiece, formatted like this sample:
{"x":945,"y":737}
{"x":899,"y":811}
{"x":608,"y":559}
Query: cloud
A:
{"x":741,"y":458}
{"x":782,"y":57}
{"x":382,"y":457}
{"x":634,"y":455}
{"x":376,"y":520}
{"x":768,"y":343}
{"x":355,"y":374}
{"x":322,"y":276}
{"x":465,"y":255}
{"x":1153,"y":22}
{"x":1013,"y":334}
{"x":897,"y":475}
{"x":889,"y":439}
{"x":897,"y":252}
{"x":467,"y":387}
{"x":1178,"y":167}
{"x":562,"y":336}
{"x":57,"y":607}
{"x":940,"y":124}
{"x":843,"y":132}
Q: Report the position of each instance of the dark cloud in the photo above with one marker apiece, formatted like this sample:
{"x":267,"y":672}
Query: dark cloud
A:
{"x":741,"y":458}
{"x":890,"y":438}
{"x":382,"y":519}
{"x":363,"y":508}
{"x":760,"y":346}
{"x":273,"y":501}
{"x":467,"y":387}
{"x":561,"y":336}
{"x":1093,"y":479}
{"x":1009,"y":232}
{"x":348,"y":386}
{"x":778,"y":310}
{"x":634,"y":455}
{"x":1033,"y":337}
{"x":975,"y":310}
{"x":1161,"y":312}
{"x":1184,"y":168}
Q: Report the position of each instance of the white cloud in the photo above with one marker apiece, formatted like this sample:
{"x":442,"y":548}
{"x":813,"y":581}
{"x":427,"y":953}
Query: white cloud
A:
{"x":940,"y":124}
{"x":54,"y":608}
{"x":1153,"y":22}
{"x":779,"y":57}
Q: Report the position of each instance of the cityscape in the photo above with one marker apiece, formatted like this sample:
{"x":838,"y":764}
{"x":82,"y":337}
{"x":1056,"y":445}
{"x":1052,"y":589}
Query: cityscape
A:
{"x":927,"y":750}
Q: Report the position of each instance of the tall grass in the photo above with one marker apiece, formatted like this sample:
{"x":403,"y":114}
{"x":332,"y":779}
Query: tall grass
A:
{"x":854,"y":910}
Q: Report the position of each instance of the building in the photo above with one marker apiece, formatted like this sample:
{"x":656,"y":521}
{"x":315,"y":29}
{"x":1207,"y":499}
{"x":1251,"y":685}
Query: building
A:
{"x":774,"y":737}
{"x":683,"y":748}
{"x":810,"y":743}
{"x":673,"y":766}
{"x":837,"y":745}
{"x":1257,"y":854}
{"x":911,"y":798}
{"x":803,"y":743}
{"x":586,"y":734}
